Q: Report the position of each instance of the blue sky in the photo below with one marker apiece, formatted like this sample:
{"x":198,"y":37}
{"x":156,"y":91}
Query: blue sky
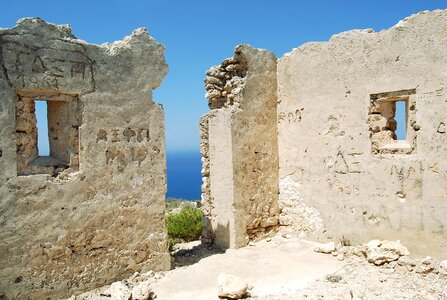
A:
{"x":200,"y":34}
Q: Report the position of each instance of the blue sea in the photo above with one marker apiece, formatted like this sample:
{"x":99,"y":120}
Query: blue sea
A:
{"x":183,"y":172}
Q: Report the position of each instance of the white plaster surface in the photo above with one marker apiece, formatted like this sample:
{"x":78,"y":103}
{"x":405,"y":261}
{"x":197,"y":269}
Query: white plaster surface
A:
{"x":324,"y":100}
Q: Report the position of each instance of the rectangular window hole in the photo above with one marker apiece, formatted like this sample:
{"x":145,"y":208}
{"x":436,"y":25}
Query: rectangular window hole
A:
{"x":390,"y":116}
{"x":47,"y":133}
{"x":43,"y":143}
{"x":401,"y":120}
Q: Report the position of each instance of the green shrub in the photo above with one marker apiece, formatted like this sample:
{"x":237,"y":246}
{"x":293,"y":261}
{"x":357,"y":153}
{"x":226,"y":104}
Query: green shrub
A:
{"x":184,"y":226}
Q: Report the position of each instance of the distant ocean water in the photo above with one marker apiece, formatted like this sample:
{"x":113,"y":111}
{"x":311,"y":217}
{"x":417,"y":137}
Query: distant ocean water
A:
{"x":183,"y":172}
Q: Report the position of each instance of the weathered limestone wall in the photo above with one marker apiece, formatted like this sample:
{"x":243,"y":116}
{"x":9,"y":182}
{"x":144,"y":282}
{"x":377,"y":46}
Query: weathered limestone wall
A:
{"x":342,"y":173}
{"x":239,"y":148}
{"x":92,"y":212}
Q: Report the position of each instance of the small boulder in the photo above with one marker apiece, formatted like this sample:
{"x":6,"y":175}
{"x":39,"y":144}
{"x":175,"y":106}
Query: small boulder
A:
{"x":443,"y":267}
{"x":327,"y":248}
{"x":401,"y":269}
{"x":333,"y":278}
{"x":360,"y":251}
{"x":118,"y":291}
{"x":380,"y":252}
{"x":407,"y":261}
{"x":231,"y":287}
{"x":395,"y":247}
{"x":286,"y":236}
{"x":142,"y":291}
{"x":426,"y":265}
{"x":443,"y":264}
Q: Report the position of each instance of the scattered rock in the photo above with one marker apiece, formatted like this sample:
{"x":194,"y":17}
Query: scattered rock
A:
{"x":443,"y":268}
{"x":360,"y":251}
{"x":380,"y":252}
{"x":118,"y":291}
{"x":158,"y":276}
{"x":142,"y":291}
{"x":425,"y":266}
{"x":326,"y":248}
{"x":268,"y":239}
{"x":333,"y":278}
{"x":344,"y":249}
{"x":374,"y":244}
{"x":231,"y":287}
{"x":407,"y":262}
{"x":340,"y":257}
{"x":443,"y":264}
{"x":286,"y":236}
{"x":401,"y":269}
{"x":251,"y":243}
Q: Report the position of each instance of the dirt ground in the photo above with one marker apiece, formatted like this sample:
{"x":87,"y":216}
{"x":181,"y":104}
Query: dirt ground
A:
{"x":287,"y":267}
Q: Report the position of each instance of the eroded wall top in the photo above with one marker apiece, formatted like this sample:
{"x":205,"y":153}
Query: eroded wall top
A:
{"x":36,"y":54}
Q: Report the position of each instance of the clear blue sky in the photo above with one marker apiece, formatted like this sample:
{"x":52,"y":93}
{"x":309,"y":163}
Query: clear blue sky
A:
{"x":200,"y":34}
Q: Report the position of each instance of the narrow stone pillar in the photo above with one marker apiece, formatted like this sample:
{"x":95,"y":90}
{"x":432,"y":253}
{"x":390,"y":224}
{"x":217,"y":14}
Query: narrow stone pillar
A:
{"x":240,"y":149}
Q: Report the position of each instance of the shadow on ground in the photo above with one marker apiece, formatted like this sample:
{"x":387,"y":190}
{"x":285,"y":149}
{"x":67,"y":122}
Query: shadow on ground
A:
{"x":186,"y":254}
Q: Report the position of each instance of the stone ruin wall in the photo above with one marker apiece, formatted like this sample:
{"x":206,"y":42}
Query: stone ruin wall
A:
{"x":343,"y":174}
{"x":93,"y":211}
{"x":316,"y":127}
{"x":240,"y":167}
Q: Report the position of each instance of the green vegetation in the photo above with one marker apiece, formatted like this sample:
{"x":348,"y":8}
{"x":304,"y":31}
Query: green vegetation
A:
{"x":184,"y":222}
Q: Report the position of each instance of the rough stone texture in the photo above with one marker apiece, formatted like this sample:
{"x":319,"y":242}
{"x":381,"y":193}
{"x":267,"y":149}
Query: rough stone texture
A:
{"x":325,"y":248}
{"x":380,"y":252}
{"x":294,"y":213}
{"x":337,"y":146}
{"x":239,"y":148}
{"x":92,"y":212}
{"x":136,"y":287}
{"x":231,"y":287}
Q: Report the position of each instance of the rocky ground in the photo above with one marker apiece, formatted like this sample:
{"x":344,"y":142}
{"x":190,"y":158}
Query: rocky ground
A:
{"x":286,"y":267}
{"x":359,"y":279}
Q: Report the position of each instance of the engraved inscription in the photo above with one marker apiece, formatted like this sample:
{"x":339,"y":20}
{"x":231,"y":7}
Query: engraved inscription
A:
{"x":441,"y":128}
{"x":407,"y":181}
{"x":123,"y":135}
{"x":291,"y":117}
{"x":38,"y":65}
{"x":123,"y":146}
{"x":40,"y":68}
{"x":340,"y":164}
{"x":345,"y":163}
{"x":334,"y":126}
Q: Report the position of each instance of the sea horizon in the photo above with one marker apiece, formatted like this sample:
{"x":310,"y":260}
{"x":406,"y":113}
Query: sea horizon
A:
{"x":183,"y":171}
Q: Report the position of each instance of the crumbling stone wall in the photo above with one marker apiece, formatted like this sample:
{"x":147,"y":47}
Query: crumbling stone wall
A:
{"x":343,"y":174}
{"x":239,"y":149}
{"x":93,"y":211}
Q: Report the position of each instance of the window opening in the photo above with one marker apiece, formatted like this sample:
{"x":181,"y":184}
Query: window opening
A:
{"x":43,"y":143}
{"x":47,"y":132}
{"x":392,"y":122}
{"x":401,"y":120}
